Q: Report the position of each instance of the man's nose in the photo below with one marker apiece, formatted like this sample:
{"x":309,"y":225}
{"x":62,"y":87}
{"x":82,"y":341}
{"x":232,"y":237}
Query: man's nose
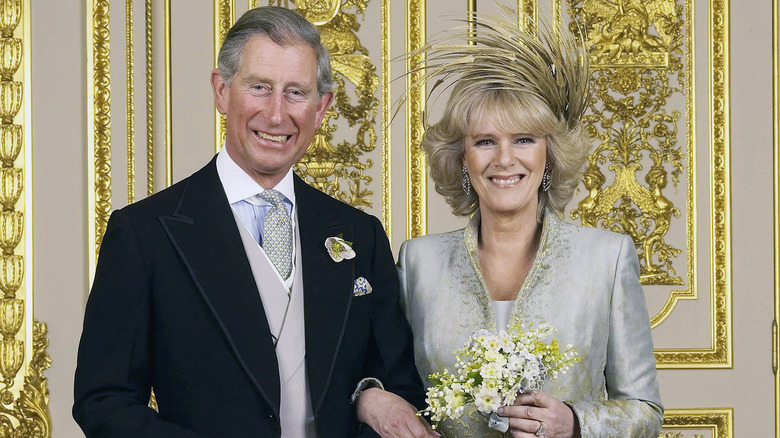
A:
{"x":275,"y":110}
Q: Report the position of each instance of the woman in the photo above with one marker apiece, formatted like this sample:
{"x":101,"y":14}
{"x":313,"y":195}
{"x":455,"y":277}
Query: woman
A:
{"x":509,"y":151}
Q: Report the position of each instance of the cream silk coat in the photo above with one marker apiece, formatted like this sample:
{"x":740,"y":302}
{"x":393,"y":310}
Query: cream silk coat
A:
{"x":584,"y":281}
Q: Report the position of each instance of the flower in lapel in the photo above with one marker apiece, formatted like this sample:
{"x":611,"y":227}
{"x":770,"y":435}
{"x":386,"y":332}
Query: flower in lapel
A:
{"x":339,"y":249}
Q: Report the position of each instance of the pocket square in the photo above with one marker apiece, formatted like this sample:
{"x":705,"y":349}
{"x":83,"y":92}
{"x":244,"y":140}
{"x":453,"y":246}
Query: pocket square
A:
{"x":362,"y":287}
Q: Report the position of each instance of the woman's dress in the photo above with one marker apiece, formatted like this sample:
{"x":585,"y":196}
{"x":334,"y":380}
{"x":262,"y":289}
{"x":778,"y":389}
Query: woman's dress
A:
{"x":583,"y":281}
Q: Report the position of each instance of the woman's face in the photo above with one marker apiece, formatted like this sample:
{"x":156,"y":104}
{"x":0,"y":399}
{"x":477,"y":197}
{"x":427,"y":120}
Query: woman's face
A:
{"x":505,"y":168}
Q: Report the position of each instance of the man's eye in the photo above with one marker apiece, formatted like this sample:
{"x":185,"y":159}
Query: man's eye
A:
{"x":294,"y":94}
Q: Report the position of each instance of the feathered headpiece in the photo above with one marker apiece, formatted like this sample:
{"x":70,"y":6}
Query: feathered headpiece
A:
{"x":495,"y":52}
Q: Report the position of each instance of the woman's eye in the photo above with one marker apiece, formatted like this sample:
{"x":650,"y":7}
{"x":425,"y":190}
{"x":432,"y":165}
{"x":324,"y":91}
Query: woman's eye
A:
{"x":483,"y":142}
{"x":526,"y":140}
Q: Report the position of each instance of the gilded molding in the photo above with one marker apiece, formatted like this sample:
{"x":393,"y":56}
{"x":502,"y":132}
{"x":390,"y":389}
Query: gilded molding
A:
{"x":416,"y":183}
{"x":471,"y":9}
{"x":528,"y":16}
{"x":719,"y":422}
{"x":387,"y":156}
{"x":149,"y":63}
{"x":776,"y":179}
{"x":691,"y":223}
{"x":719,"y":355}
{"x":130,"y":101}
{"x":168,"y":95}
{"x":224,"y":17}
{"x":24,"y":395}
{"x":99,"y":90}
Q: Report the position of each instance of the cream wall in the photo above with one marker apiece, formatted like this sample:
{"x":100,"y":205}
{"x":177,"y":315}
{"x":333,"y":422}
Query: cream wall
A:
{"x":60,"y":194}
{"x":61,"y":241}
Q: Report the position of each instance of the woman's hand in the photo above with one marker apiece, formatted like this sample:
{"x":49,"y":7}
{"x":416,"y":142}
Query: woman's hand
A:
{"x":539,"y":414}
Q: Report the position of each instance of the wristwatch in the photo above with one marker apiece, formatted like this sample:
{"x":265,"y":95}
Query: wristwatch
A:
{"x":368,"y":382}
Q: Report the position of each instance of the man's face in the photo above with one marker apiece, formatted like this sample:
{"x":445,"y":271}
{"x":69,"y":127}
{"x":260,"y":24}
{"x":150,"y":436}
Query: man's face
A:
{"x":272,"y":107}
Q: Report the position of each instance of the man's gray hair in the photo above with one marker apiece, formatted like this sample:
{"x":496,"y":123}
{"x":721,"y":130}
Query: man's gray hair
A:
{"x":282,"y":26}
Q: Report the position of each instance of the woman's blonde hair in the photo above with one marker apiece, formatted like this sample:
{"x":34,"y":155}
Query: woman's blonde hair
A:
{"x":514,"y":111}
{"x":528,"y":82}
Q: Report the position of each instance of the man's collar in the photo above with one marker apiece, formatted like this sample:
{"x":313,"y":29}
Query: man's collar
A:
{"x":239,"y":185}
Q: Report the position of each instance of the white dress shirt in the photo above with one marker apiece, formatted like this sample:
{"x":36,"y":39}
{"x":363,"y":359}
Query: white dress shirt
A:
{"x":242,"y":191}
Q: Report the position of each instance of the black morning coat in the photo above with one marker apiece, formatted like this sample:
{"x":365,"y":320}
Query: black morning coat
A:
{"x":174,"y":306}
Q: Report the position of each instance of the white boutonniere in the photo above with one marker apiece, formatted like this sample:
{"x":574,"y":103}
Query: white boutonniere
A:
{"x":339,"y":249}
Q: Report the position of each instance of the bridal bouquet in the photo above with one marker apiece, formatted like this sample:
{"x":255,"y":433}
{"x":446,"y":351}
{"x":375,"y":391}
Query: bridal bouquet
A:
{"x":493,"y":368}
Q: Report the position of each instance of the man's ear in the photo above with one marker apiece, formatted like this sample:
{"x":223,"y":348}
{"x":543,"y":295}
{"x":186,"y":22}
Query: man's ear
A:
{"x":322,"y":107}
{"x":220,"y":89}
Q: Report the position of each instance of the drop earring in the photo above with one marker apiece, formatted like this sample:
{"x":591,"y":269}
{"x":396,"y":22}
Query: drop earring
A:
{"x":546,"y":178}
{"x":466,"y":181}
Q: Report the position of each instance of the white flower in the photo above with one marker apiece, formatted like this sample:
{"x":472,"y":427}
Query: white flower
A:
{"x":495,"y":357}
{"x":491,"y":370}
{"x":339,"y":249}
{"x":455,"y":396}
{"x":487,"y":400}
{"x":515,"y":362}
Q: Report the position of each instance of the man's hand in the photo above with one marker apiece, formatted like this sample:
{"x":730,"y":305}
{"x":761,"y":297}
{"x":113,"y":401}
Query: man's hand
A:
{"x":391,"y":416}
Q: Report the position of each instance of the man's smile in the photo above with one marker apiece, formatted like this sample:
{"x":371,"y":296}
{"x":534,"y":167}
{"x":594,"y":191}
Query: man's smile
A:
{"x":271,"y":137}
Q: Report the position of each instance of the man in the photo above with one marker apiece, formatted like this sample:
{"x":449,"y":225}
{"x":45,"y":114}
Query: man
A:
{"x":220,"y":293}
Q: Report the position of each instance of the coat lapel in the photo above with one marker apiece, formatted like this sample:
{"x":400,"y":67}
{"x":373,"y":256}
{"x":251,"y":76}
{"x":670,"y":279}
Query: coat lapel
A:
{"x":204,"y":232}
{"x":327,"y":287}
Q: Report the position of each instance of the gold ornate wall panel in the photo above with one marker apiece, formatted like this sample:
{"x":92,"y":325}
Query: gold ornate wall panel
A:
{"x":698,"y":423}
{"x":719,"y":353}
{"x":638,"y":66}
{"x":641,"y":177}
{"x":136,"y":109}
{"x":24,"y":395}
{"x":341,"y":154}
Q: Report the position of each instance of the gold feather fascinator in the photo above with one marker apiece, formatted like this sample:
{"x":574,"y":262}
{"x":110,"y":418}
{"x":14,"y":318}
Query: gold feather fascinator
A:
{"x":488,"y":51}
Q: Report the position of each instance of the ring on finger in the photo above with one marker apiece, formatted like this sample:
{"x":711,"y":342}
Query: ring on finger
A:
{"x":540,"y":430}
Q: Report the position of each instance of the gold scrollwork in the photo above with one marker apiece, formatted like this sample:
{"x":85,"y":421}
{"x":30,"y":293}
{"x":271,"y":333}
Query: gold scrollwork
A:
{"x":328,"y":166}
{"x":337,"y":169}
{"x":24,"y":395}
{"x":635,"y":75}
{"x":99,"y":151}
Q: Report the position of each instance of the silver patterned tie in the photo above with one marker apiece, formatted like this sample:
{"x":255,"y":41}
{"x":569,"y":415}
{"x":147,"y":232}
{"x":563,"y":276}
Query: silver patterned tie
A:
{"x":277,"y":233}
